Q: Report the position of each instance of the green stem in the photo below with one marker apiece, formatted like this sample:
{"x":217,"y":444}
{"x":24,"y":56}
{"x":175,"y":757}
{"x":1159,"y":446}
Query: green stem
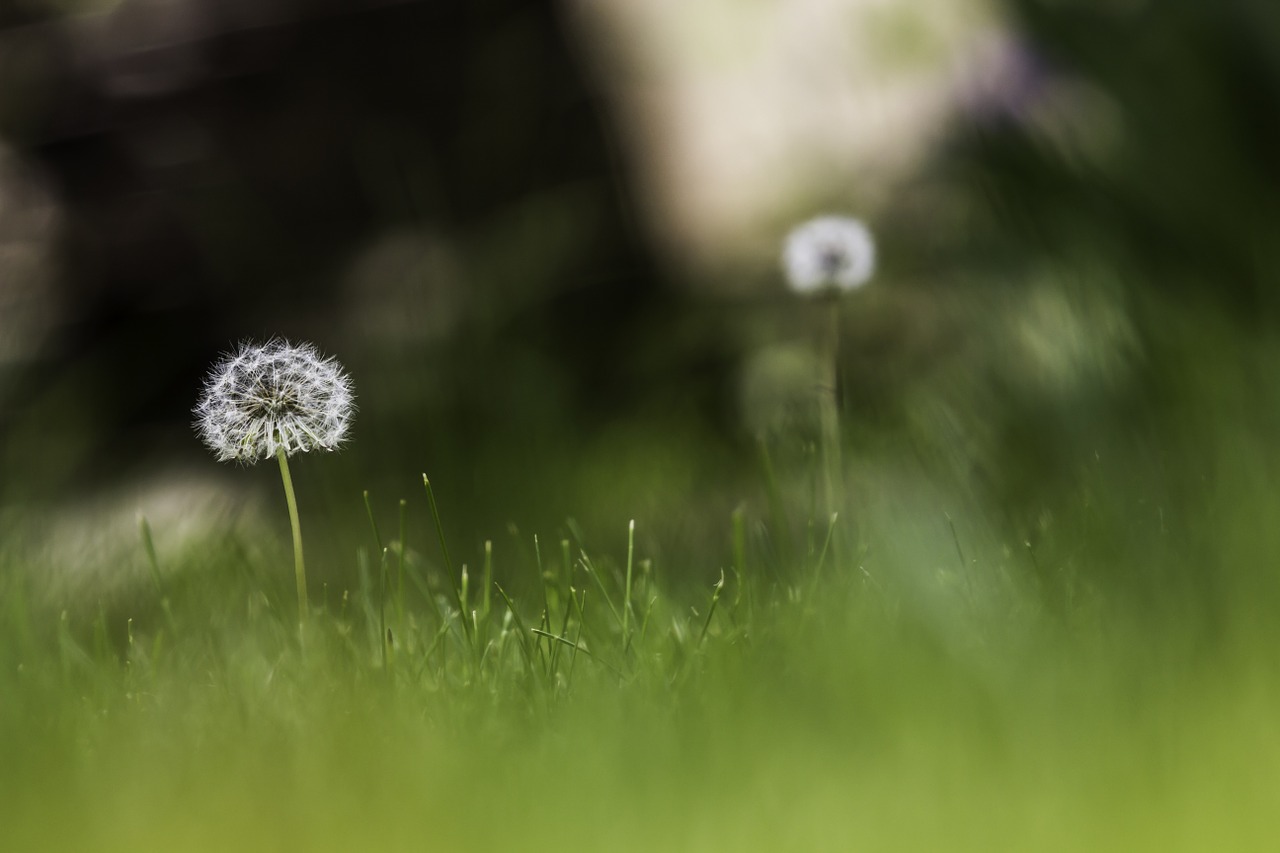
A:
{"x":400,"y":568}
{"x":299,"y":566}
{"x":149,"y":545}
{"x":626,"y":602}
{"x":448,"y":563}
{"x":828,"y":359}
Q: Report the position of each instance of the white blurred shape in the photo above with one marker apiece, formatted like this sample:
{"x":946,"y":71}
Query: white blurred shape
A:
{"x":92,"y":551}
{"x":739,"y":114}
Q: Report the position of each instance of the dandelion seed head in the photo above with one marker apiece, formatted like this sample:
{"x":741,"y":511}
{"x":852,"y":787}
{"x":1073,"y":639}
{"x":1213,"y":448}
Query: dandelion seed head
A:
{"x":266,"y":397}
{"x":830,"y":253}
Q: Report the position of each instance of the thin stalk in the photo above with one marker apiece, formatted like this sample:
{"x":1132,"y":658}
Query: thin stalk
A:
{"x":382,"y":613}
{"x":626,"y":600}
{"x":590,"y":569}
{"x":444,"y":549}
{"x":564,"y":630}
{"x":382,"y":580}
{"x":964,"y":564}
{"x":816,"y":578}
{"x":566,"y":564}
{"x":464,"y":595}
{"x":470,"y":624}
{"x":783,"y":544}
{"x":149,"y":546}
{"x":644,"y":625}
{"x":435,"y":514}
{"x":522,"y":633}
{"x":299,"y":564}
{"x":577,"y":648}
{"x":543,"y":579}
{"x":829,"y":414}
{"x":740,"y":557}
{"x":426,"y":657}
{"x":368,"y":508}
{"x":711,"y":610}
{"x":488,"y":574}
{"x":400,"y":566}
{"x":581,"y":607}
{"x":423,"y":589}
{"x":544,"y":624}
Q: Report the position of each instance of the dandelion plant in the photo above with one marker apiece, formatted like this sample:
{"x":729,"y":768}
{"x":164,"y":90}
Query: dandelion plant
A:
{"x":276,"y":399}
{"x":824,"y":258}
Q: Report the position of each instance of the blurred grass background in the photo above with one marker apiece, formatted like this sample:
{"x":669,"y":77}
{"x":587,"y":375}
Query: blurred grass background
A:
{"x":542,"y":238}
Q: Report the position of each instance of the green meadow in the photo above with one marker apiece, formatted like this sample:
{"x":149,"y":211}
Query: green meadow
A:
{"x":1091,"y":667}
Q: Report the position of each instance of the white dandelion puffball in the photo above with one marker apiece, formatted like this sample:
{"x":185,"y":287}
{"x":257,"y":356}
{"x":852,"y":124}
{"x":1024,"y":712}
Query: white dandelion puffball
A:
{"x":273,"y":396}
{"x":827,"y":254}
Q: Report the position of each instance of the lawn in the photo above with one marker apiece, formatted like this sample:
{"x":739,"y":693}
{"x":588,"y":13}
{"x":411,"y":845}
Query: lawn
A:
{"x":908,"y":683}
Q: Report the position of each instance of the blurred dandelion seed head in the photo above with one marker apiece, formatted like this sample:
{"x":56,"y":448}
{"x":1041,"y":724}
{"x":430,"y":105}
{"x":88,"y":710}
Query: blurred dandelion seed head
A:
{"x":829,"y":253}
{"x":273,"y":396}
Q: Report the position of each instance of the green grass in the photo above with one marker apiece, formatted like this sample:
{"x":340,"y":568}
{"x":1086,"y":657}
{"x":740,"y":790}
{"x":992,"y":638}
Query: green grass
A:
{"x":890,"y":698}
{"x":1089,"y":664}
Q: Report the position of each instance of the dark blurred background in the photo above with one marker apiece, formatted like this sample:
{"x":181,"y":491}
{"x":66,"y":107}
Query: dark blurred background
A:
{"x":542,"y":237}
{"x":428,"y":190}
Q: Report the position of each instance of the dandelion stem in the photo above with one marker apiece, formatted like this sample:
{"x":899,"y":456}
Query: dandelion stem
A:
{"x":828,"y":359}
{"x":299,"y":566}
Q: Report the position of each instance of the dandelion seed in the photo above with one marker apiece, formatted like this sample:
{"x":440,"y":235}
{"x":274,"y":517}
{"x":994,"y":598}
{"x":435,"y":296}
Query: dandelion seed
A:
{"x":829,"y":254}
{"x":274,"y":396}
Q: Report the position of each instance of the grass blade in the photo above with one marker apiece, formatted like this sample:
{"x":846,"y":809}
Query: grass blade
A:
{"x":448,"y":561}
